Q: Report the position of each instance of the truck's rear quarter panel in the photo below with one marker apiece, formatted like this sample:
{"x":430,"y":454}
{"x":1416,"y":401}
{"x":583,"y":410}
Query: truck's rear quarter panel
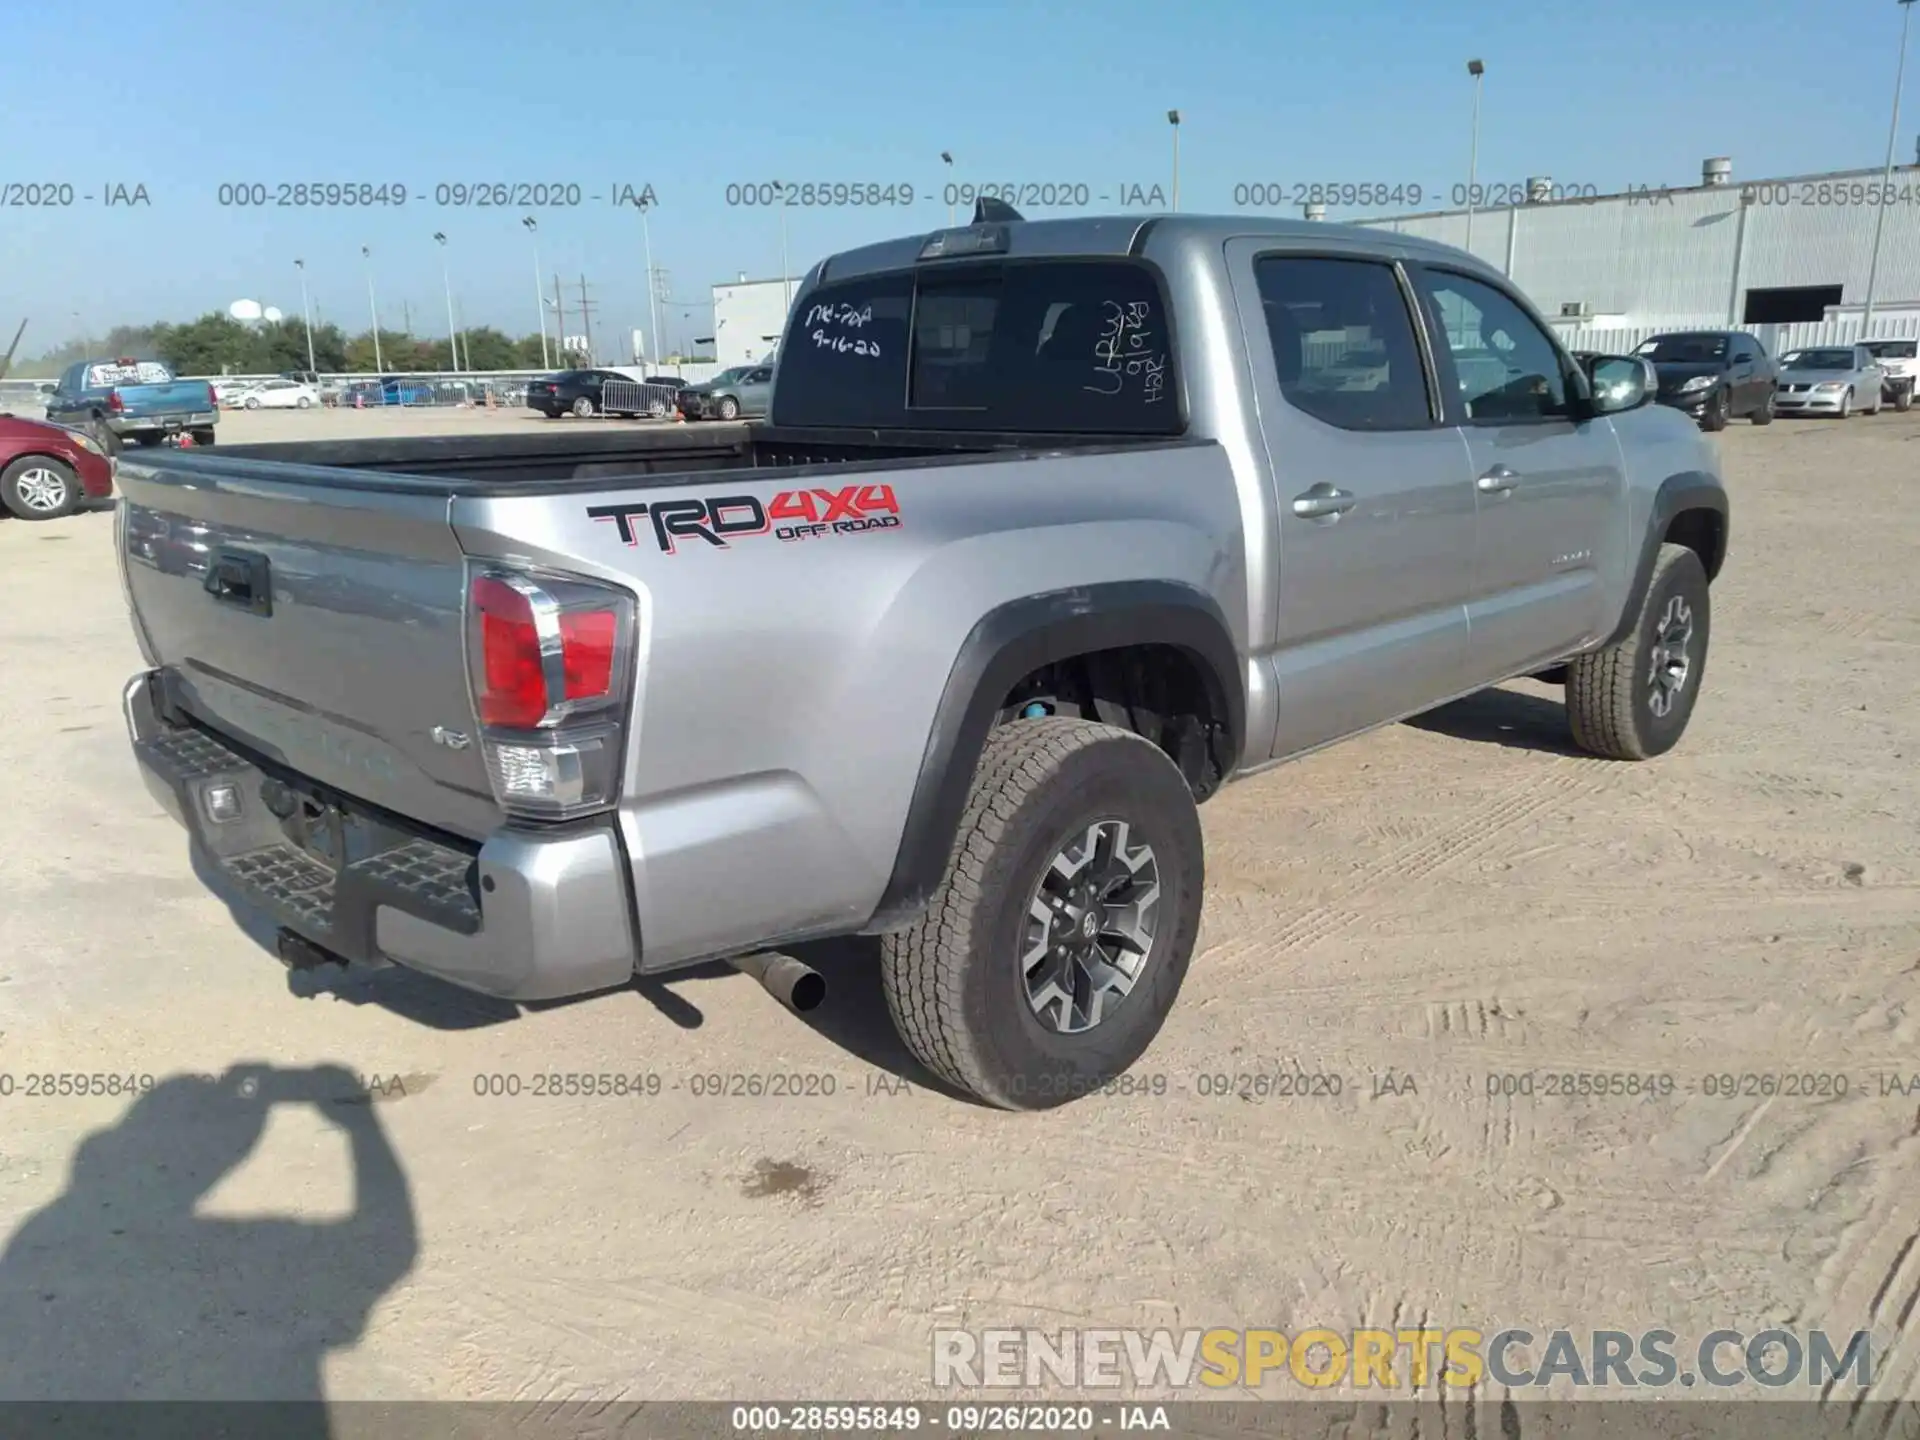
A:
{"x":787,"y":688}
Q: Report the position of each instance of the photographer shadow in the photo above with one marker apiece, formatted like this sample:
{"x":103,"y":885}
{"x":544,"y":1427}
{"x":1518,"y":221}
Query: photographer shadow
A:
{"x":118,"y":1290}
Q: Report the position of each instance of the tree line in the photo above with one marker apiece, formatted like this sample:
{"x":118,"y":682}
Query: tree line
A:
{"x":217,"y":344}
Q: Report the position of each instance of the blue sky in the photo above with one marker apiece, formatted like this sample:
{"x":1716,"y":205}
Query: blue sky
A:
{"x":181,"y":96}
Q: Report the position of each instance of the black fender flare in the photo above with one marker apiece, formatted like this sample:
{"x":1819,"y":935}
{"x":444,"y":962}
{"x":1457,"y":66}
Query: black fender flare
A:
{"x":1688,"y":490}
{"x":1012,"y":641}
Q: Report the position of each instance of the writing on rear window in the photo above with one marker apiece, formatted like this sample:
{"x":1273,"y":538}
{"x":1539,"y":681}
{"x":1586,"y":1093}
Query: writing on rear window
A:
{"x":141,"y":372}
{"x":1127,"y":353}
{"x":836,"y":327}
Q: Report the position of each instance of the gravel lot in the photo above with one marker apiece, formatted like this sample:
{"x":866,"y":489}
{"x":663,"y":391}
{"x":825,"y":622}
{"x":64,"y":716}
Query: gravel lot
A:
{"x":1445,"y":900}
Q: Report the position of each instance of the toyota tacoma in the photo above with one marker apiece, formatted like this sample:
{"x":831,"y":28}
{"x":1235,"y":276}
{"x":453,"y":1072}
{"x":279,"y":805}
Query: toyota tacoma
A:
{"x":1055,"y":528}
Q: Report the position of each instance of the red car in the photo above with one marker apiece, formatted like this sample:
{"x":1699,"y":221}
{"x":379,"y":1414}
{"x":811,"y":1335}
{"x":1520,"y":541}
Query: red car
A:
{"x":47,"y":470}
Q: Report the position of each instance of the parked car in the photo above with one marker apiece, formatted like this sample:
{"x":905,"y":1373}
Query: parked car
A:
{"x":570,"y":392}
{"x":744,"y":392}
{"x":1900,"y":367}
{"x":1713,"y":375}
{"x":280,"y":395}
{"x":1830,"y":380}
{"x":1050,"y":606}
{"x":47,"y":470}
{"x":231,"y":392}
{"x":137,"y":400}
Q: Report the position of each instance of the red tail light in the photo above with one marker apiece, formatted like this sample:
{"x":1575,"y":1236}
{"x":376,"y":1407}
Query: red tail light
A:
{"x":213,"y":400}
{"x":114,"y":402}
{"x":515,"y":687}
{"x":550,"y":659}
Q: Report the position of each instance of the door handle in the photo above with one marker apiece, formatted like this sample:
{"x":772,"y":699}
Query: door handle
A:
{"x":1496,"y":481}
{"x":1323,"y":502}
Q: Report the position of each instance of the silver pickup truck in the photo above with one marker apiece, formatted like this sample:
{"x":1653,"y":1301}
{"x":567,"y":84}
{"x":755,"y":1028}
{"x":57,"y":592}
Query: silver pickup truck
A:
{"x":1056,"y":527}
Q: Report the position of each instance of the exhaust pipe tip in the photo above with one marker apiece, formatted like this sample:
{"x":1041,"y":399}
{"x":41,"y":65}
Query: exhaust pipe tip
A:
{"x":795,"y":984}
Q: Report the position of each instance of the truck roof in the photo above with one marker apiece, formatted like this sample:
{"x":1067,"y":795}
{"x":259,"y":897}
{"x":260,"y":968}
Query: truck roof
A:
{"x":1127,"y":234}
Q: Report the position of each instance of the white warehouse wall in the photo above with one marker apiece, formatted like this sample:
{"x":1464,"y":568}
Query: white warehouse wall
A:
{"x":748,"y":319}
{"x":1644,"y":258}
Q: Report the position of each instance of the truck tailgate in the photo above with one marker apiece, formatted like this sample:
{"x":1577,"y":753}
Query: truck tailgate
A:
{"x":173,"y":398}
{"x":337,"y":647}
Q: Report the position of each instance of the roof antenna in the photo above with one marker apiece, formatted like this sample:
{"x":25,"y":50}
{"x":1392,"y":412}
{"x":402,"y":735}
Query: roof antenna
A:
{"x":989,"y":211}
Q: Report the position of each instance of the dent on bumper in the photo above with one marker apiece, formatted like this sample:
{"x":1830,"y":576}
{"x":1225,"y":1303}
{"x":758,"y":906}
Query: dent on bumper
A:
{"x":532,"y":917}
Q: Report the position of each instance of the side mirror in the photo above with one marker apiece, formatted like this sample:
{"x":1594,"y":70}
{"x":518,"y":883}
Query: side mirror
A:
{"x":1621,"y":383}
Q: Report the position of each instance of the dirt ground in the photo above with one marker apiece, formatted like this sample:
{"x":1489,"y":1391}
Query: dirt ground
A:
{"x":1446,"y":900}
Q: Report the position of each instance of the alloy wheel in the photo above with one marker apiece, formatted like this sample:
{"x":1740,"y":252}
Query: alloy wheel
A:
{"x":1089,"y":926}
{"x":41,"y":490}
{"x":1670,"y":663}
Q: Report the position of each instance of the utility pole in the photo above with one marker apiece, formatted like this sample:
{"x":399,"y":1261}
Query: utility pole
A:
{"x":560,"y":315}
{"x":1886,"y":179}
{"x":406,"y":317}
{"x":586,"y":318}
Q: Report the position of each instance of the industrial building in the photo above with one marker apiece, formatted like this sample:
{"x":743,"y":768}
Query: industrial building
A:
{"x":749,"y":317}
{"x":1753,"y":254}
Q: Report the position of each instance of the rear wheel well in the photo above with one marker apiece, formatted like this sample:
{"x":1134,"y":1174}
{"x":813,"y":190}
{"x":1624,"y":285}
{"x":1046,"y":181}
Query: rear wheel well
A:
{"x":1702,"y":531}
{"x":1162,"y":693}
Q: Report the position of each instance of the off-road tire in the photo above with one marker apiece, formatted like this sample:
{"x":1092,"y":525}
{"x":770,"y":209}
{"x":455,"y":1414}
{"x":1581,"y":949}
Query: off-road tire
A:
{"x":1610,"y":691}
{"x":16,"y":504}
{"x":1713,"y":415}
{"x":954,"y":982}
{"x":1764,"y":415}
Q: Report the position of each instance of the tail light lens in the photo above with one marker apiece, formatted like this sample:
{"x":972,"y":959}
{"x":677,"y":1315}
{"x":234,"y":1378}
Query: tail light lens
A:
{"x":550,"y":663}
{"x":114,"y":402}
{"x":213,"y":400}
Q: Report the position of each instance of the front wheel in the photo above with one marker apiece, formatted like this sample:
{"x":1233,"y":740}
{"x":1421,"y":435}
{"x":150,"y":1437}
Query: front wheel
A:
{"x":251,"y":403}
{"x":1764,"y":415}
{"x":1056,"y":943}
{"x":1846,"y":406}
{"x":1632,"y":701}
{"x":38,"y":487}
{"x":729,"y":408}
{"x":1713,"y":415}
{"x":583,"y":408}
{"x":656,"y":409}
{"x":1903,"y":399}
{"x":303,"y":403}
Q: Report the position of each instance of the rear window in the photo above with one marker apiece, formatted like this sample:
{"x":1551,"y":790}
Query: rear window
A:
{"x":134,"y":372}
{"x":1894,"y":349}
{"x":1074,"y":347}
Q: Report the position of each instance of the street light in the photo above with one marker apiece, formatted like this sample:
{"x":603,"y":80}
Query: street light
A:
{"x":539,"y":300}
{"x":379,"y":364}
{"x":780,"y":189}
{"x":306,"y":314}
{"x":653,"y":281}
{"x":1173,"y":119}
{"x":446,"y":280}
{"x":1886,"y":180}
{"x":946,"y":158}
{"x":1476,"y":70}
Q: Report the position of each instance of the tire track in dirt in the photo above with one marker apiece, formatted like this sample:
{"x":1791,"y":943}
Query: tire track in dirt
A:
{"x":1475,"y":833}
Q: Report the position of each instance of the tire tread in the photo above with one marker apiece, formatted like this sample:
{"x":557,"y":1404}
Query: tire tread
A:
{"x":1603,"y":685}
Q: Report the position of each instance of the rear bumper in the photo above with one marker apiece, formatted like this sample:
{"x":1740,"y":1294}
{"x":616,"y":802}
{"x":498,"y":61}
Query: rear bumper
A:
{"x":526,"y":915}
{"x":161,"y":424}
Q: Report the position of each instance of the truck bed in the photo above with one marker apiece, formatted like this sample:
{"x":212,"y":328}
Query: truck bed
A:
{"x":543,"y":462}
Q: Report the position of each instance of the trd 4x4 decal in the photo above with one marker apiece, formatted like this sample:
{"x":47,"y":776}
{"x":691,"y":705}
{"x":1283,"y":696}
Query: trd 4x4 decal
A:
{"x":790,"y":515}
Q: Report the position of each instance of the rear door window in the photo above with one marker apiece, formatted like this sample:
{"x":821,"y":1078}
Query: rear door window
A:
{"x":1343,"y":342}
{"x":1072,"y":347}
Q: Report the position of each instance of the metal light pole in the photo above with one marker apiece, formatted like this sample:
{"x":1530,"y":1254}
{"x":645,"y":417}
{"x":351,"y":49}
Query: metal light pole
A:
{"x":446,"y":281}
{"x":1173,"y":119}
{"x":946,"y":158}
{"x":780,"y":189}
{"x":1886,"y":180}
{"x":379,"y":364}
{"x":653,"y":281}
{"x":539,"y":300}
{"x":306,"y":314}
{"x":1476,"y":70}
